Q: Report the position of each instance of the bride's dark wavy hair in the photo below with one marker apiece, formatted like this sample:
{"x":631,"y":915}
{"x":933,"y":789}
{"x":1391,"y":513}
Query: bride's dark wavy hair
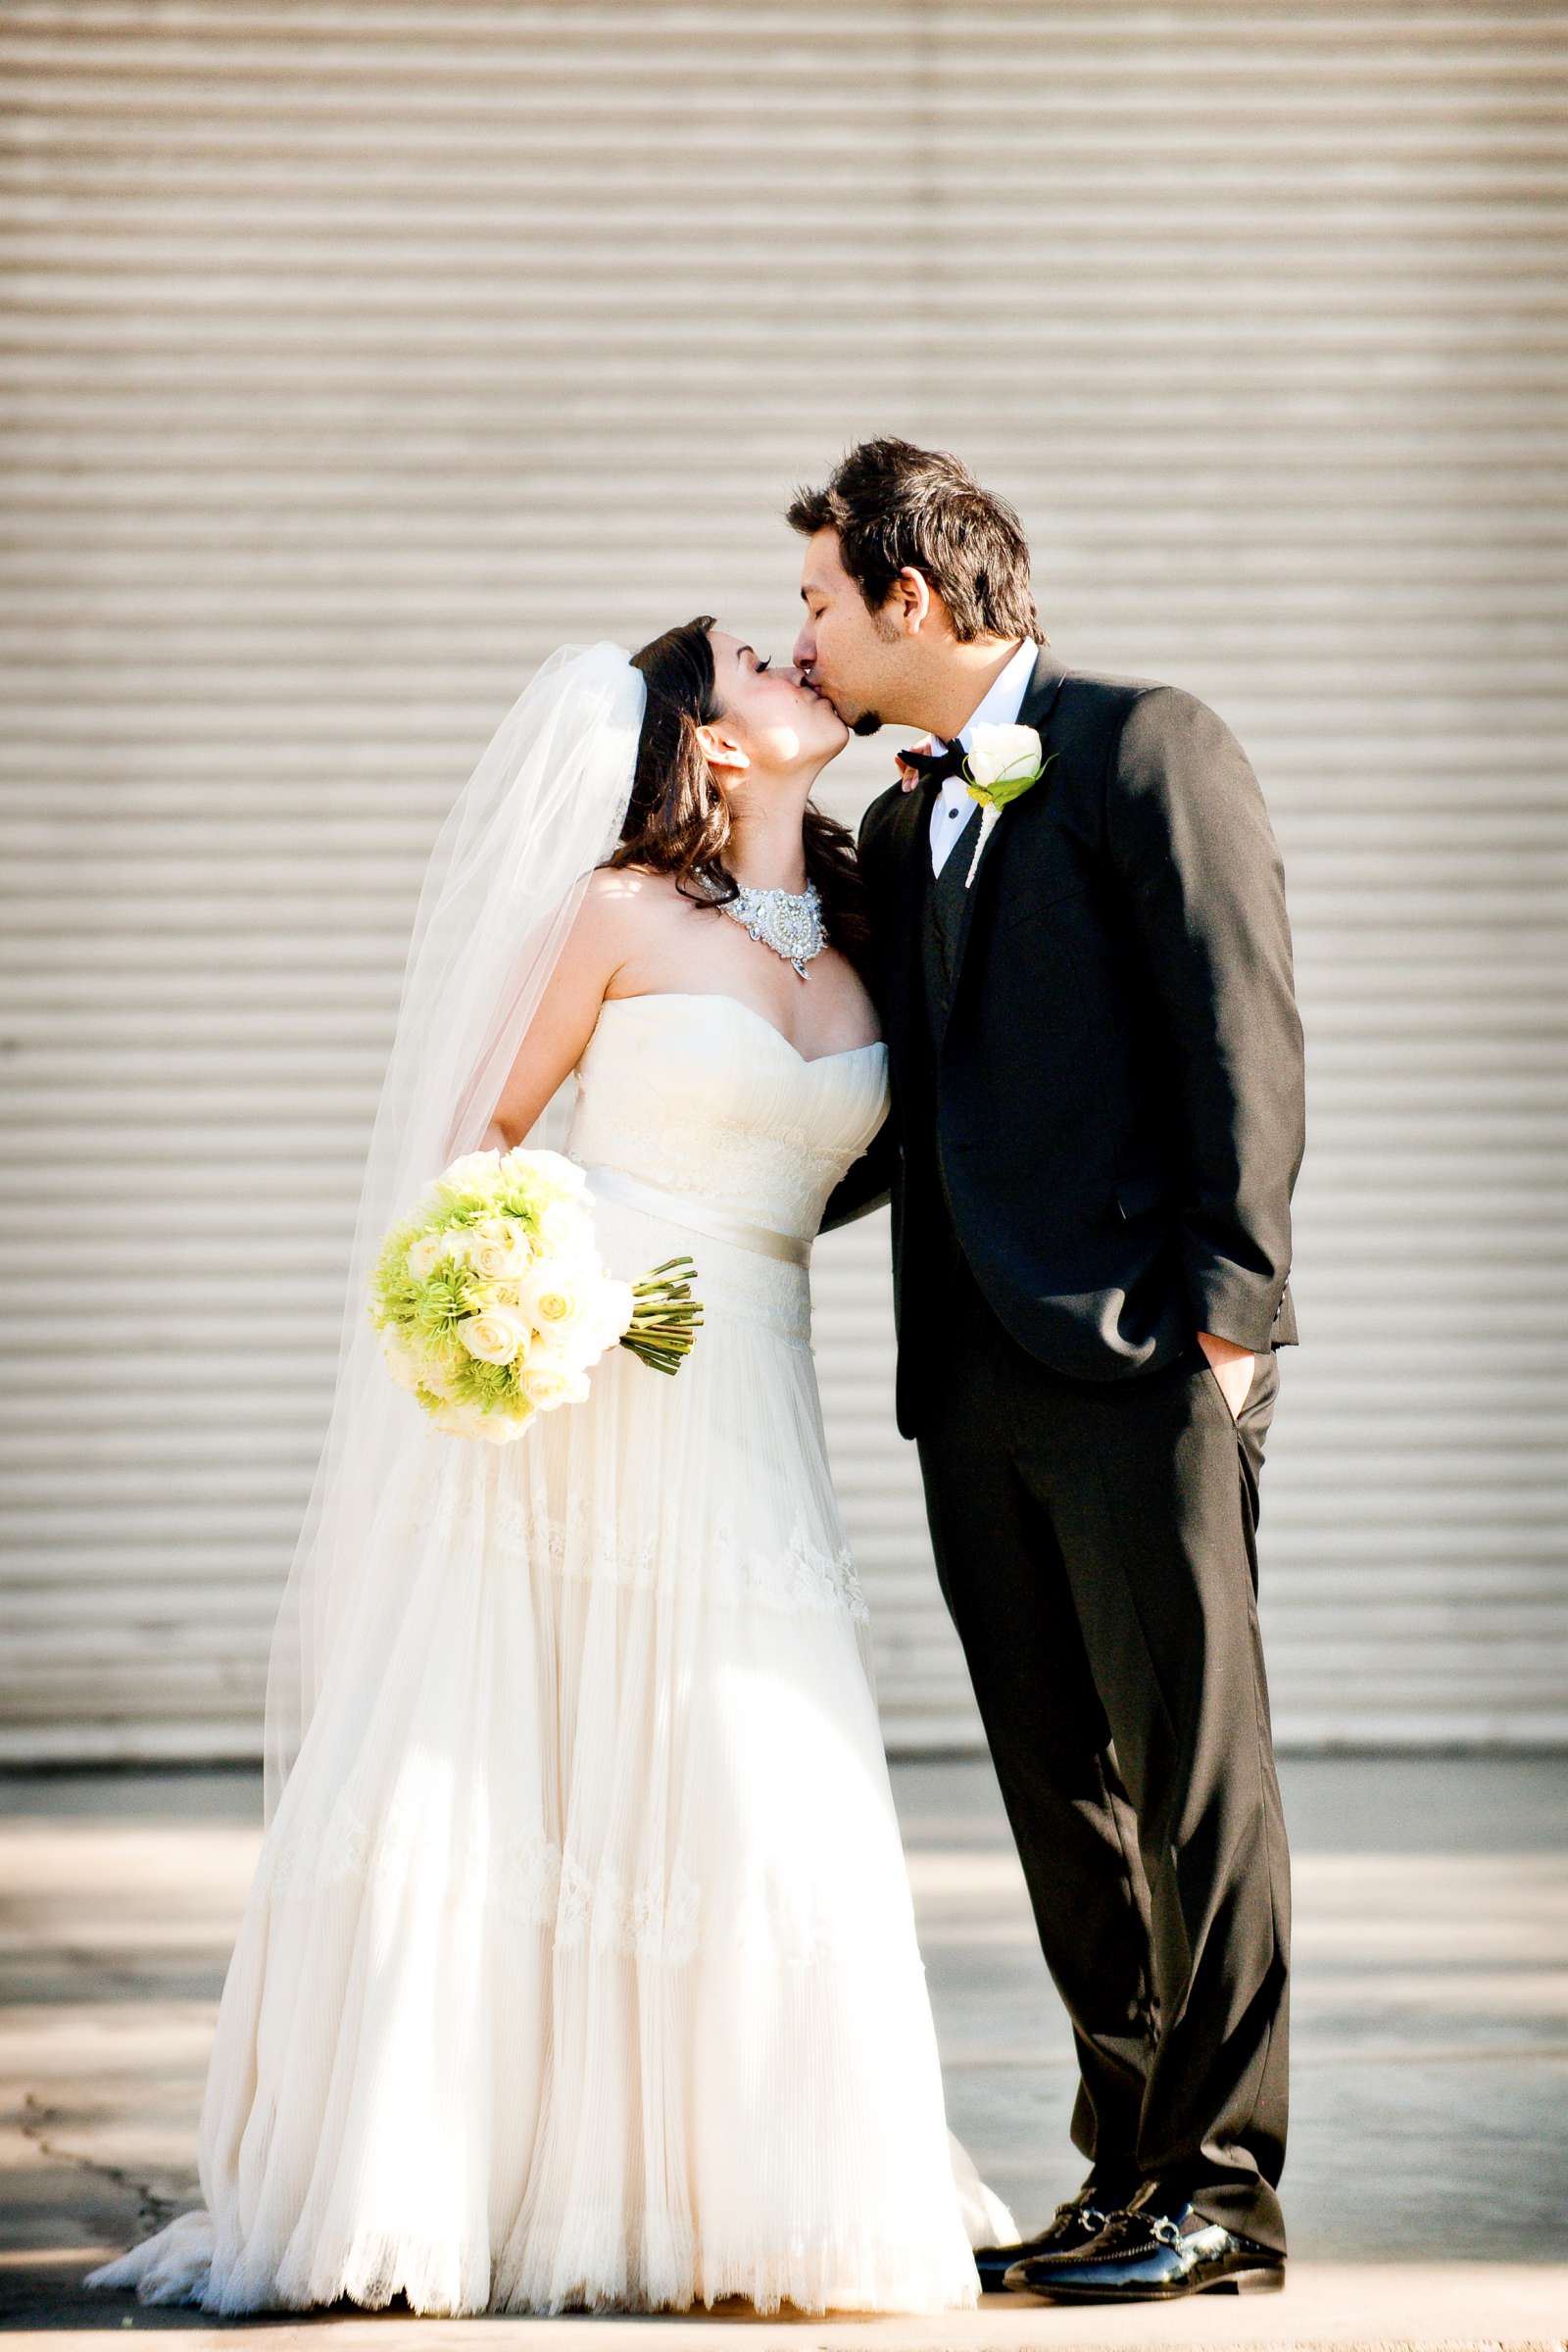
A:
{"x":677,"y":820}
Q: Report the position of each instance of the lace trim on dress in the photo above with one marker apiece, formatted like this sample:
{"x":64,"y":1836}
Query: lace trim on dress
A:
{"x":529,"y":1878}
{"x":798,"y":1574}
{"x":658,"y":1917}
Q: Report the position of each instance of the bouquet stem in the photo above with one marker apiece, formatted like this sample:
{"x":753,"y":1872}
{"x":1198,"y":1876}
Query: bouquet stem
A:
{"x":665,"y":1317}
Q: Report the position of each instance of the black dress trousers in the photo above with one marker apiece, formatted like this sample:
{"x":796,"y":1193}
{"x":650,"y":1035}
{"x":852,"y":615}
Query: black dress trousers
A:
{"x":1096,"y":1546}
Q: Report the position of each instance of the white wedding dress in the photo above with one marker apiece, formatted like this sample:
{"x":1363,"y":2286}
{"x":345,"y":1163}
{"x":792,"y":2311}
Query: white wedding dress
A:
{"x":579,"y":1965}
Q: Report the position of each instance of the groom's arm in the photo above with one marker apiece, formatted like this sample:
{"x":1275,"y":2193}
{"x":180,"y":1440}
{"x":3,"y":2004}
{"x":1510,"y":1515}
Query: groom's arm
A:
{"x":867,"y":1184}
{"x":1188,"y":832}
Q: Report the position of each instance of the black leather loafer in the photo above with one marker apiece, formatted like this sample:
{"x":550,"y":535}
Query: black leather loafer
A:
{"x":1153,"y":2249}
{"x":1076,"y":2221}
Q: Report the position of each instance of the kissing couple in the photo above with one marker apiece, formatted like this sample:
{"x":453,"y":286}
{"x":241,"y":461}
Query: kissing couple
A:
{"x":579,"y":1967}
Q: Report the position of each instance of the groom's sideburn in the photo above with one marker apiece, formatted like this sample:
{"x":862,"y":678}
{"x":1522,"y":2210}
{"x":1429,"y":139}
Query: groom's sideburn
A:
{"x":1093,"y":1504}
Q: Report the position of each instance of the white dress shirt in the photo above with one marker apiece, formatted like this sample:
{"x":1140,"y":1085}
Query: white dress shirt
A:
{"x":1004,"y":700}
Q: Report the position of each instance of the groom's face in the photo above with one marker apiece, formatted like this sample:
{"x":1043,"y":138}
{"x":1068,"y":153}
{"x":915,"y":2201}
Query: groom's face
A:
{"x":850,"y":654}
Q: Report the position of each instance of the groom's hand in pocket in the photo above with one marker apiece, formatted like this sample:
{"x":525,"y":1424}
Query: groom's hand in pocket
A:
{"x":1232,"y":1367}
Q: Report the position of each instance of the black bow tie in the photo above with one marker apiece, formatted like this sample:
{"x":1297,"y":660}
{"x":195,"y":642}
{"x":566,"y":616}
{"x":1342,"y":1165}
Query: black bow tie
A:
{"x":934,"y":768}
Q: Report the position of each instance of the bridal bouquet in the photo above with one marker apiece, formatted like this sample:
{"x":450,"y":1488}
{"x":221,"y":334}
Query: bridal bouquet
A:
{"x":492,"y":1302}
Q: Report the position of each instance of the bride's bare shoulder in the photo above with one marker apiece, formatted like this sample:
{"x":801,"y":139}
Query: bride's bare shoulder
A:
{"x":626,"y":913}
{"x":628,"y":899}
{"x":625,"y":884}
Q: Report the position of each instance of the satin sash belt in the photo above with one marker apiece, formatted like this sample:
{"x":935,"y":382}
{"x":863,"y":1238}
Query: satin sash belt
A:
{"x":679,"y":1208}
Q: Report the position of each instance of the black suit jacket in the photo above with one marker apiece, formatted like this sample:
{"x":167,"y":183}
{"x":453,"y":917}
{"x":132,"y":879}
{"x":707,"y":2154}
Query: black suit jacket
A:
{"x":1114,"y":1118}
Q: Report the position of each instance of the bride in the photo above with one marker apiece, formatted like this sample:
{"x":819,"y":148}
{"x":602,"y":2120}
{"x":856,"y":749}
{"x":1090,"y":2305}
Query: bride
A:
{"x":579,"y":1965}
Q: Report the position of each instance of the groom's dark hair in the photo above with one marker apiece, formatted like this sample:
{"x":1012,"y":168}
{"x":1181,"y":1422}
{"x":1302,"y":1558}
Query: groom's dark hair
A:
{"x":893,"y":504}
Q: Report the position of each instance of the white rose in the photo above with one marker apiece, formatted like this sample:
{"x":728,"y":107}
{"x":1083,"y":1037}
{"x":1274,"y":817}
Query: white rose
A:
{"x":475,"y":1171}
{"x":499,"y":1250}
{"x":496,"y":1336}
{"x":565,"y":1229}
{"x":551,"y":1169}
{"x":425,"y":1254}
{"x":555,"y":1299}
{"x":1001,"y":755}
{"x":553,"y":1385}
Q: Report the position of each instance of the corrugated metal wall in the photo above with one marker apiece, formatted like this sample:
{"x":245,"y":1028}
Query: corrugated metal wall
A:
{"x":355,"y":355}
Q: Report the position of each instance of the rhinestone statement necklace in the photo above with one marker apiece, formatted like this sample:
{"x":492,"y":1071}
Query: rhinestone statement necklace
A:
{"x":789,"y":921}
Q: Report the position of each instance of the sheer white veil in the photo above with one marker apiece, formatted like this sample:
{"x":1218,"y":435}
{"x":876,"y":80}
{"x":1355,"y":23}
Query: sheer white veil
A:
{"x":506,"y":874}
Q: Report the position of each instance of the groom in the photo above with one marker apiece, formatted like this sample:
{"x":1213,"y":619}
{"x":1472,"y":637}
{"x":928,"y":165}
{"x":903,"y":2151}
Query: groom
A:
{"x":1098,"y":1119}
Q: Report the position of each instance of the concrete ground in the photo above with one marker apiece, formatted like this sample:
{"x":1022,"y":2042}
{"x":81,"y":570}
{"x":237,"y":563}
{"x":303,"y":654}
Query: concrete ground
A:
{"x":1426,"y":2189}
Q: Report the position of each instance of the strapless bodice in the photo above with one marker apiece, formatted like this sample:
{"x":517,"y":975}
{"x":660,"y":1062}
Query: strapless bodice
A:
{"x":702,"y":1095}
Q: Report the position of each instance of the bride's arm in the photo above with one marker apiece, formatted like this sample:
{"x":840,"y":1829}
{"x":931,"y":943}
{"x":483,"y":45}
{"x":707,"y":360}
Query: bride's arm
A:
{"x":867,"y":1183}
{"x":596,"y":946}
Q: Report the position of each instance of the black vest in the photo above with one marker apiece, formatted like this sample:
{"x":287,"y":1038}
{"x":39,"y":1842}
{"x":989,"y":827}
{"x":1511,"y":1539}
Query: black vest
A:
{"x":943,"y":914}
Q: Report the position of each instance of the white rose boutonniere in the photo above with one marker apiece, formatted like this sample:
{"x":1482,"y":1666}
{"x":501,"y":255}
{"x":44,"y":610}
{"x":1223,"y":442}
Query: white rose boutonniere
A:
{"x":1002,"y":764}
